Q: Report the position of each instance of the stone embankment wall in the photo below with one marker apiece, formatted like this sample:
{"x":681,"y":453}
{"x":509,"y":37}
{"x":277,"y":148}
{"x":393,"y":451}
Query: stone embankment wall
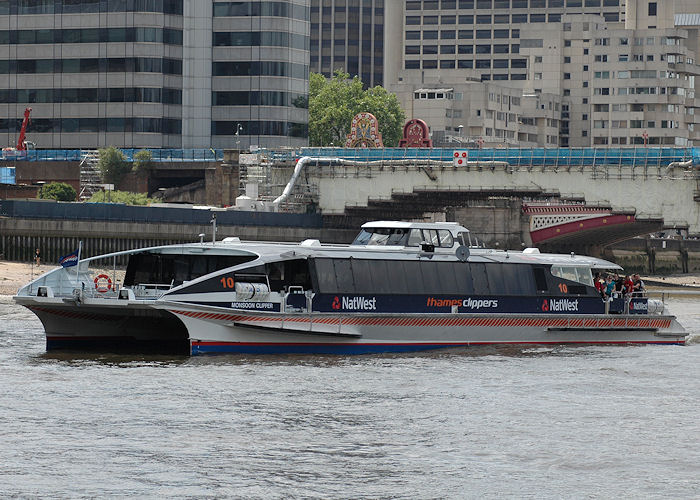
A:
{"x":657,"y":256}
{"x":19,"y":238}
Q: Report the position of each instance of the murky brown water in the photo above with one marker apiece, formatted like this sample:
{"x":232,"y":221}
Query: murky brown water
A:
{"x":560,"y":422}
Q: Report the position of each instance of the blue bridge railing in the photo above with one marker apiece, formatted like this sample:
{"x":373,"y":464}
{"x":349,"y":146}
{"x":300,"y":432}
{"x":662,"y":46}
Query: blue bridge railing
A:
{"x":636,"y":156}
{"x":514,"y":156}
{"x":158,"y":155}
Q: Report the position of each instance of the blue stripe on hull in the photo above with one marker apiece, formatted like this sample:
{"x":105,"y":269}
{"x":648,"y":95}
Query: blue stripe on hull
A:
{"x":349,"y":349}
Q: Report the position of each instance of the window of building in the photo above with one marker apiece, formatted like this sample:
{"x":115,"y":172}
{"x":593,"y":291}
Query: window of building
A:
{"x":538,"y":59}
{"x":567,"y":59}
{"x":567,"y":76}
{"x":567,"y":43}
{"x":652,"y":8}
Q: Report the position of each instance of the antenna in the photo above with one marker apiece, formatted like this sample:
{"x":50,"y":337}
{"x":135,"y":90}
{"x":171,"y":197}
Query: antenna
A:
{"x":213,"y":229}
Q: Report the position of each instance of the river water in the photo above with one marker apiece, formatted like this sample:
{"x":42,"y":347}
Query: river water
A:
{"x":561,"y":422}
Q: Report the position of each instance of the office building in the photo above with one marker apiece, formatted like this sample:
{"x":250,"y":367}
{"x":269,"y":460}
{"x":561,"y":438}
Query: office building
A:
{"x":551,"y":71}
{"x":160,"y":74}
{"x":348,"y":35}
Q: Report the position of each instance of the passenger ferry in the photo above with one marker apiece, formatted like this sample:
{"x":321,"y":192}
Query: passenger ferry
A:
{"x":400,"y":286}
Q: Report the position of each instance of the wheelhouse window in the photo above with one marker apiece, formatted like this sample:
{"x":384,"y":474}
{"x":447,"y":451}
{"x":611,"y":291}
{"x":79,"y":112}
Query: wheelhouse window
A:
{"x":571,"y":273}
{"x":440,"y":238}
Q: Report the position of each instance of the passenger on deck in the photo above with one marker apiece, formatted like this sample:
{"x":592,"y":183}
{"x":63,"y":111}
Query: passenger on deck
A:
{"x":609,"y":286}
{"x":599,"y":284}
{"x":628,"y":285}
{"x":638,"y":285}
{"x":619,"y":283}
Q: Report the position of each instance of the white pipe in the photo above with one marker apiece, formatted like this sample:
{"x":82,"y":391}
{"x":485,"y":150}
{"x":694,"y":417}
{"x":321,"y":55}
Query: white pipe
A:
{"x":680,"y":164}
{"x":342,"y":161}
{"x":297,"y":170}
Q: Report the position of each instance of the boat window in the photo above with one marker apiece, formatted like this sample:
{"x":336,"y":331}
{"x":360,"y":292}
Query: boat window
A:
{"x":571,"y":273}
{"x":446,"y":239}
{"x":397,"y":237}
{"x":415,"y":238}
{"x":369,"y":276}
{"x":412,"y":275}
{"x":281,"y":275}
{"x":325,"y":276}
{"x":382,"y":236}
{"x":362,"y":238}
{"x":343,"y":276}
{"x":431,"y":279}
{"x":540,"y":279}
{"x":481,"y":282}
{"x":463,"y":238}
{"x":431,"y":236}
{"x":497,"y":282}
{"x":158,"y":268}
{"x":517,"y":279}
{"x":382,"y":278}
{"x":463,"y":278}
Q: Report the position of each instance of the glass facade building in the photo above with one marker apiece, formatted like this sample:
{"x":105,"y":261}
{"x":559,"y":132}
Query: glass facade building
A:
{"x":155,"y":73}
{"x":348,"y":35}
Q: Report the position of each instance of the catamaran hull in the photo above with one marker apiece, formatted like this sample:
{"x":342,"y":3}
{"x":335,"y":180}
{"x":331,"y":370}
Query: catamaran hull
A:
{"x":215,"y":330}
{"x":126,"y":328}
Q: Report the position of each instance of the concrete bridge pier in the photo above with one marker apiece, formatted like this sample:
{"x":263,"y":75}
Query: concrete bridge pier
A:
{"x":222,"y":181}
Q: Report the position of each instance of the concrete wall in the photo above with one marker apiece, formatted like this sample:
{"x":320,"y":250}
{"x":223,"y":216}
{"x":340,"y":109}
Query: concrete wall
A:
{"x":498,"y":223}
{"x":31,"y":172}
{"x":652,"y":191}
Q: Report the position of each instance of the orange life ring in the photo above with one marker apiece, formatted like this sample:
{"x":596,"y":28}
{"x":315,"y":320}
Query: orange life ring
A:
{"x":102,"y":288}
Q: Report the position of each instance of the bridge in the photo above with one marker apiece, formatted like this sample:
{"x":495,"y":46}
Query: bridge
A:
{"x":565,"y":198}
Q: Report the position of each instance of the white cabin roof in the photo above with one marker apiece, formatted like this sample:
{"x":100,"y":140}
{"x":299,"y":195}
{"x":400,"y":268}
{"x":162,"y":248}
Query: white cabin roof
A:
{"x":395,"y":224}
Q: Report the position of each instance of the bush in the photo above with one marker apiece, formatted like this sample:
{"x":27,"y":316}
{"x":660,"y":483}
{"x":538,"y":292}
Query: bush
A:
{"x":143,"y":161}
{"x":125,"y":197}
{"x":59,"y":191}
{"x":113,"y":165}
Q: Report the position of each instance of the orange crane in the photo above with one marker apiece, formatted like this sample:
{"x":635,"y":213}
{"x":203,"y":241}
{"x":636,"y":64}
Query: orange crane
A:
{"x":21,"y":144}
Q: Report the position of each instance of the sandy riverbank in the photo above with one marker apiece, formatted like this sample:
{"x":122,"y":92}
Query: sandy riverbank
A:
{"x":13,"y":275}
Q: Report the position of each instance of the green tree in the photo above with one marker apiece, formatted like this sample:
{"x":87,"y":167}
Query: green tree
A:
{"x":143,"y":161}
{"x":334,"y":102}
{"x":113,"y":165}
{"x":59,"y":191}
{"x":125,"y":197}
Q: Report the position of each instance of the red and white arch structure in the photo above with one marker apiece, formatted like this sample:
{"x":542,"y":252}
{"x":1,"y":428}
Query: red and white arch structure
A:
{"x":583,"y":224}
